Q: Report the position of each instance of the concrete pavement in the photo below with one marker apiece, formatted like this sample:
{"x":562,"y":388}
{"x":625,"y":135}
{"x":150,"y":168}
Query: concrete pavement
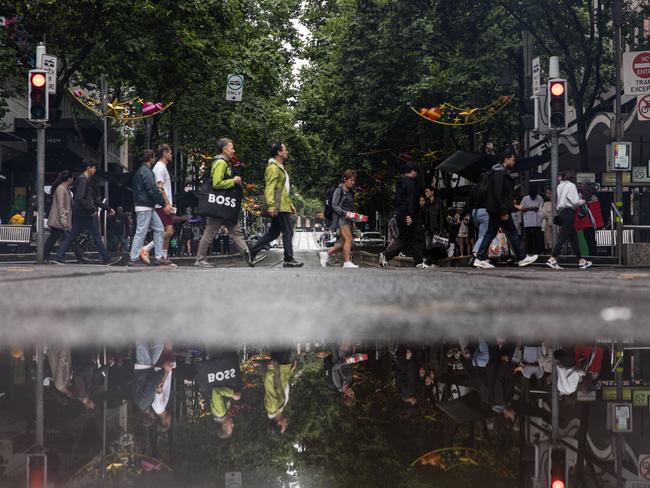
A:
{"x":272,"y":304}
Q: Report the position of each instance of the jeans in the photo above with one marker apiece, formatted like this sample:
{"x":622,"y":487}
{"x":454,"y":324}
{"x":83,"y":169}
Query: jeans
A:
{"x":408,"y":238}
{"x":60,"y":234}
{"x":148,"y":354}
{"x":212,"y":229}
{"x":147,"y":219}
{"x":510,"y":231}
{"x":481,"y":220}
{"x":79,"y":224}
{"x":279,"y":223}
{"x":567,"y":233}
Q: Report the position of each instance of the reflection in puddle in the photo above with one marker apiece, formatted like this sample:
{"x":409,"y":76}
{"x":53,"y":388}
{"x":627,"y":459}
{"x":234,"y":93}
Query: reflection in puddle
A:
{"x":313,"y":415}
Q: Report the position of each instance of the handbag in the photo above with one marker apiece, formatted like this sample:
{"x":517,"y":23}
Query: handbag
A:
{"x":220,"y":204}
{"x":220,"y":371}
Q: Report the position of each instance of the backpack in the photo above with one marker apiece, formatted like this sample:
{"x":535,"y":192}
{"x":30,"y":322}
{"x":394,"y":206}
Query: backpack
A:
{"x":479,"y":192}
{"x":329,"y":211}
{"x":327,"y":367}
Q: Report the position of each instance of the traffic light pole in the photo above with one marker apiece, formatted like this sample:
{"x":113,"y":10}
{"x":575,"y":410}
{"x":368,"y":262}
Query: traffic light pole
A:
{"x":40,"y":193}
{"x":555,"y":157}
{"x":618,"y":126}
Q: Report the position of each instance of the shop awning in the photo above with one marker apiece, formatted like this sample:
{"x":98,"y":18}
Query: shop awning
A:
{"x":470,"y":165}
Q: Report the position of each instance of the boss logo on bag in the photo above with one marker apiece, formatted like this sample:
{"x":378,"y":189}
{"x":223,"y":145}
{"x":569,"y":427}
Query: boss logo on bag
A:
{"x":222,"y":375}
{"x":221,"y":200}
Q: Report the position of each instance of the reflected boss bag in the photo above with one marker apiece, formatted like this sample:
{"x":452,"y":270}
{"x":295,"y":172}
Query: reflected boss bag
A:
{"x":220,"y":204}
{"x":219,"y":371}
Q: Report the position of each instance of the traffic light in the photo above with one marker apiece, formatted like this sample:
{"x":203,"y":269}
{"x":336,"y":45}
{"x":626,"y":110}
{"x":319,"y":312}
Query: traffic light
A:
{"x":36,"y":471}
{"x":37,"y":101}
{"x":557,"y":104}
{"x":557,"y":467}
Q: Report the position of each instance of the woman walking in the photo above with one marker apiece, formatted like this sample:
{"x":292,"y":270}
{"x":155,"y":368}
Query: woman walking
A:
{"x":342,"y":203}
{"x":568,"y":200}
{"x":59,"y":219}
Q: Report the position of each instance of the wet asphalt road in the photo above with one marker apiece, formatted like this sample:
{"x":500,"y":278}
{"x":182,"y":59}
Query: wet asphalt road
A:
{"x":271,"y":304}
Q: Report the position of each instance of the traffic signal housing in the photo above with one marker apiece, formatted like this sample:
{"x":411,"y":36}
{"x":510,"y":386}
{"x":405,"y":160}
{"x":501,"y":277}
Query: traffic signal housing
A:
{"x":37,"y":100}
{"x":36,"y":471}
{"x":557,"y":104}
{"x":557,"y":467}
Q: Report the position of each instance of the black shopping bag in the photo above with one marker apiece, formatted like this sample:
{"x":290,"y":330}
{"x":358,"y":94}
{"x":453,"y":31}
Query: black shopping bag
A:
{"x":220,"y":204}
{"x":220,"y":371}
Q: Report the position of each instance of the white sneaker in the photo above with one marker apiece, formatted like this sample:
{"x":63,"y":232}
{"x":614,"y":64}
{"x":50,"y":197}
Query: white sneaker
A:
{"x":528,"y":260}
{"x":484,"y":264}
{"x":350,"y":265}
{"x":450,"y":250}
{"x":585,"y":264}
{"x":383,"y":262}
{"x":422,"y":266}
{"x":323,"y":258}
{"x":553,"y":264}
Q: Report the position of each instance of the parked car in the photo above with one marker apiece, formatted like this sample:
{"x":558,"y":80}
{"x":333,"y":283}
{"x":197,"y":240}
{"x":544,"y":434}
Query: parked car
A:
{"x":369,"y":239}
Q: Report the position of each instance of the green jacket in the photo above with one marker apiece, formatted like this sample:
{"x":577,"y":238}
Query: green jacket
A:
{"x":275,"y":179}
{"x":221,"y":174}
{"x":218,"y":404}
{"x":276,"y":398}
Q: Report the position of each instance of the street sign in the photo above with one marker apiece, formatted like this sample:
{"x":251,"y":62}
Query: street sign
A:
{"x":234,"y":88}
{"x":233,"y":480}
{"x":619,"y":156}
{"x":50,"y":64}
{"x":585,"y":178}
{"x":643,"y":107}
{"x":537,"y":76}
{"x":644,"y":467}
{"x":636,"y":72}
{"x":619,"y":417}
{"x":640,"y":174}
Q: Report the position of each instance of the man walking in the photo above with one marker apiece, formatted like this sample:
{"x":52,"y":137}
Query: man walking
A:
{"x":222,"y":179}
{"x":165,"y":212}
{"x":499,"y":205}
{"x":278,"y":201}
{"x":406,"y":204}
{"x":84,"y":212}
{"x":146,"y":194}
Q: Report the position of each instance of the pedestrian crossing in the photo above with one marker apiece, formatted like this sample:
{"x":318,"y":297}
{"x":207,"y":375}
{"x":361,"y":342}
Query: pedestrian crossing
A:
{"x":305,"y":241}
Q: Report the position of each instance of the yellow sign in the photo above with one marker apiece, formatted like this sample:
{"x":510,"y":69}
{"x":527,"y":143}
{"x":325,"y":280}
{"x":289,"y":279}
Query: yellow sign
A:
{"x":638,"y":396}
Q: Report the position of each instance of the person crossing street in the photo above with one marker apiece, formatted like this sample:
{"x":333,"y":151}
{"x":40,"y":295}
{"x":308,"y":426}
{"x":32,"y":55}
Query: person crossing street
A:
{"x":277,"y":195}
{"x":222,"y":178}
{"x":500,"y":205}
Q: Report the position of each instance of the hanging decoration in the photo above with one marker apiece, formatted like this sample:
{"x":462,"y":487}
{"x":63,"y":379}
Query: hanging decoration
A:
{"x":123,"y":111}
{"x":452,"y":457}
{"x":448,"y":114}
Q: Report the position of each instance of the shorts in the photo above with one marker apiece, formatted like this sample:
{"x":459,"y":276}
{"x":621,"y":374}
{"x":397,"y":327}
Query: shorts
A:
{"x":164,"y":218}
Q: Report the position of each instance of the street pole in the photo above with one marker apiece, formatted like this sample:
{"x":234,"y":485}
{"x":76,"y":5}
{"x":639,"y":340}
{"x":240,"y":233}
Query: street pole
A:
{"x":40,"y":415}
{"x":104,"y":420}
{"x":40,"y":193}
{"x":104,"y":88}
{"x":620,"y":440}
{"x":555,"y":156}
{"x":618,"y":125}
{"x":555,"y":400}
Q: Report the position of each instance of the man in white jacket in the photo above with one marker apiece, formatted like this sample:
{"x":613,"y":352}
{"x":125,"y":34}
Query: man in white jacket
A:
{"x":568,"y":200}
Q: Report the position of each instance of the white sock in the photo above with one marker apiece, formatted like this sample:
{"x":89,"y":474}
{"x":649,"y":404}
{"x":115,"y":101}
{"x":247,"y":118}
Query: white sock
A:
{"x":148,"y":247}
{"x":164,"y":253}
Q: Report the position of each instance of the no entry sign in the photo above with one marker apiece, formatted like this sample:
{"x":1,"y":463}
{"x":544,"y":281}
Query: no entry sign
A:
{"x":636,"y":72}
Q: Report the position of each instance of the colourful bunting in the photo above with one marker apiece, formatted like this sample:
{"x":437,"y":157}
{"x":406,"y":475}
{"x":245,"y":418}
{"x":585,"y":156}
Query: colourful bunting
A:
{"x":448,"y":114}
{"x":125,"y":112}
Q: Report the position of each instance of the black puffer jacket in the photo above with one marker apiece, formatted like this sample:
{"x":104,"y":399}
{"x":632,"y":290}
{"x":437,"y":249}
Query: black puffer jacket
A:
{"x":501,"y":191}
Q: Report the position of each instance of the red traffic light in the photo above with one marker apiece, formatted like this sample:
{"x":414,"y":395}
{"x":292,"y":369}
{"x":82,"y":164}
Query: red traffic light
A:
{"x":558,"y":484}
{"x":557,"y":90}
{"x":38,"y":80}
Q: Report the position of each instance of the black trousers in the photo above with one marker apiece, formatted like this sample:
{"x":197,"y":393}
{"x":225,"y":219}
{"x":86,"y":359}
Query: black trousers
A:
{"x":281,"y":223}
{"x":510,"y":231}
{"x":534,"y":240}
{"x":58,"y":235}
{"x":79,"y":224}
{"x":409,"y":239}
{"x":567,"y":233}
